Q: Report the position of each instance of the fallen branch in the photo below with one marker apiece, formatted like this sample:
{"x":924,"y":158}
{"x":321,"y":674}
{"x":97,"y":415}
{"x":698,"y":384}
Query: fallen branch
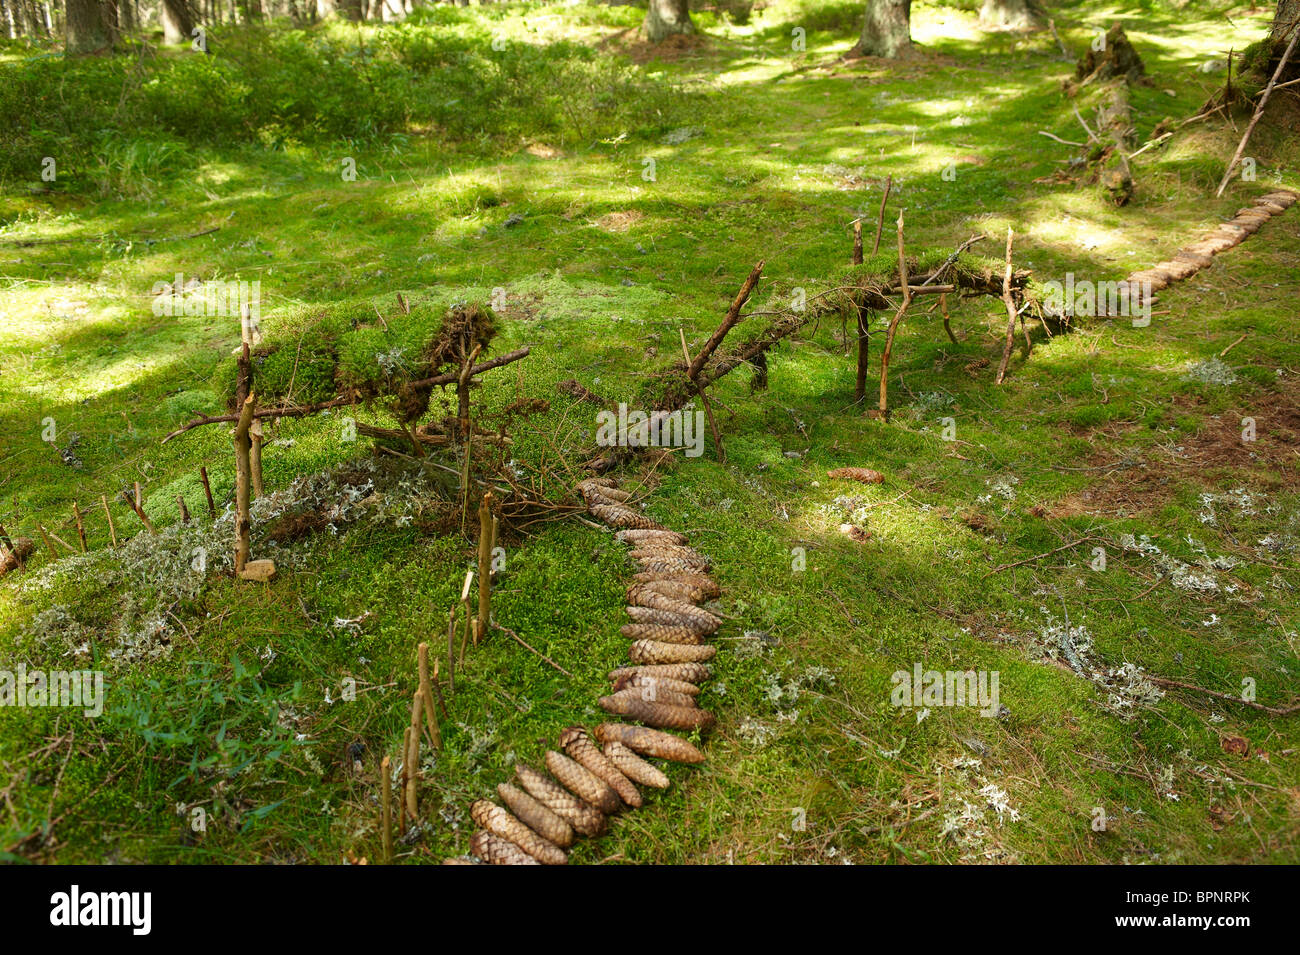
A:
{"x":1259,"y":111}
{"x":898,"y":317}
{"x":1287,"y":710}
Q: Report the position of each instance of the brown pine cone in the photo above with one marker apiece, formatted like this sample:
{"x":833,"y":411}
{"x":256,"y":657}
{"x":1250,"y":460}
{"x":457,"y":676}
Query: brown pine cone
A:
{"x":536,"y":816}
{"x":865,"y":475}
{"x":657,"y":601}
{"x":704,"y":583}
{"x":655,"y":558}
{"x":646,"y":536}
{"x":670,"y":566}
{"x":662,"y":634}
{"x":654,"y":693}
{"x":621,"y":516}
{"x":582,"y":782}
{"x":500,"y":823}
{"x":704,"y":623}
{"x":652,"y":651}
{"x":688,"y":672}
{"x":634,"y":767}
{"x":649,"y":742}
{"x":579,"y":745}
{"x":608,"y":492}
{"x":673,"y":589}
{"x":682,"y":687}
{"x":660,"y":715}
{"x":657,"y":549}
{"x":497,"y":851}
{"x":585,"y":819}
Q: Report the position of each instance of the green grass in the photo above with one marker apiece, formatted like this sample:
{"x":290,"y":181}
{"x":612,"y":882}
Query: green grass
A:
{"x":217,"y":693}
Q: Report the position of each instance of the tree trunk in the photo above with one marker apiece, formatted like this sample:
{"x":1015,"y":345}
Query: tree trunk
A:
{"x":89,"y":28}
{"x":1288,"y":13}
{"x":1012,"y":15}
{"x":887,"y":29}
{"x":177,"y":21}
{"x":667,"y":17}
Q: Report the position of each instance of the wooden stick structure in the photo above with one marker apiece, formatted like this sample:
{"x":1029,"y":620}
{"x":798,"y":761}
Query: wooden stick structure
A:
{"x":411,"y":764}
{"x":137,"y":505}
{"x":451,"y":649}
{"x":880,"y":218}
{"x":207,"y":492}
{"x":81,"y":527}
{"x":386,"y":812}
{"x":1011,"y":314}
{"x":112,"y":531}
{"x":1259,"y":110}
{"x":857,"y":241}
{"x":185,"y":511}
{"x":46,"y":537}
{"x":243,"y":481}
{"x":704,"y":399}
{"x":426,"y":691}
{"x":484,"y":566}
{"x":730,"y":319}
{"x":255,"y":457}
{"x":893,"y":325}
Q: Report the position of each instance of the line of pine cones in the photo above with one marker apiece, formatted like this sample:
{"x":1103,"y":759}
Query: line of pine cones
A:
{"x":597,"y":773}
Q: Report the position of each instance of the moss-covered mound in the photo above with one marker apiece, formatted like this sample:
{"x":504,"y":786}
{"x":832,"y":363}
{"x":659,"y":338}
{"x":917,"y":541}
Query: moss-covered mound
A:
{"x":373,"y":347}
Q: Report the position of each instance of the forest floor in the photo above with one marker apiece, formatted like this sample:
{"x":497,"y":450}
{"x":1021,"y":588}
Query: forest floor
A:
{"x":229,"y":697}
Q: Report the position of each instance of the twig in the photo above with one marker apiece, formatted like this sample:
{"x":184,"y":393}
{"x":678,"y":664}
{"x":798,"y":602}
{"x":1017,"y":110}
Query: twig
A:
{"x":1011,"y":313}
{"x":1233,"y":345}
{"x":880,"y":217}
{"x":704,"y":399}
{"x":1287,"y":710}
{"x":898,"y":317}
{"x":1067,"y":142}
{"x":1030,"y":560}
{"x":1259,"y":111}
{"x":729,"y":320}
{"x":520,"y":640}
{"x":112,"y":532}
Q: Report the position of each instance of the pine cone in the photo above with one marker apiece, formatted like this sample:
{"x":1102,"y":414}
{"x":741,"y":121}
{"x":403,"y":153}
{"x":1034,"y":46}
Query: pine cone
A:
{"x":657,"y":601}
{"x":579,"y":745}
{"x":654,"y":693}
{"x":621,"y":516}
{"x":646,"y":536}
{"x":704,"y":583}
{"x":700,"y":623}
{"x":649,"y":742}
{"x":666,"y":588}
{"x":634,"y":767}
{"x":583,"y":818}
{"x":652,"y":651}
{"x":536,"y":816}
{"x":693,"y":562}
{"x":671,"y":566}
{"x":687,"y":672}
{"x":500,"y":823}
{"x":661,"y":715}
{"x":582,"y":782}
{"x":605,"y":493}
{"x":497,"y":851}
{"x":865,"y":475}
{"x":661,"y":633}
{"x":681,"y":687}
{"x":660,"y":549}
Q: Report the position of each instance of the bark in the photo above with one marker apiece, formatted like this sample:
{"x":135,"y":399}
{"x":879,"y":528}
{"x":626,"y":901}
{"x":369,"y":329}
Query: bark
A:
{"x":667,"y":17}
{"x":89,"y":26}
{"x":1015,"y":15}
{"x":1287,"y":15}
{"x":177,"y":21}
{"x":886,"y":29}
